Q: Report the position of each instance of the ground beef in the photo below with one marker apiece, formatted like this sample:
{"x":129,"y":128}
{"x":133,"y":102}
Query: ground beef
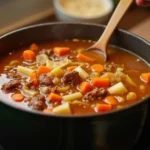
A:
{"x":48,"y":52}
{"x":11,"y":85}
{"x":71,"y":77}
{"x":45,"y":80}
{"x":37,"y":102}
{"x":70,"y":57}
{"x":95,"y":94}
{"x":110,"y":66}
{"x":53,"y":90}
{"x":31,"y":86}
{"x":55,"y":57}
{"x":13,"y":75}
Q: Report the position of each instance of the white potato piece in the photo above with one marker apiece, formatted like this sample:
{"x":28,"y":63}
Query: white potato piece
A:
{"x":118,"y":88}
{"x":62,"y":109}
{"x":58,"y":72}
{"x":82,"y":73}
{"x":73,"y":96}
{"x":41,"y":59}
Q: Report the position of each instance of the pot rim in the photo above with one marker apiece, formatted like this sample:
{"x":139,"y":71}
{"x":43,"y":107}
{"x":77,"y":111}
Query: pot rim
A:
{"x":34,"y":112}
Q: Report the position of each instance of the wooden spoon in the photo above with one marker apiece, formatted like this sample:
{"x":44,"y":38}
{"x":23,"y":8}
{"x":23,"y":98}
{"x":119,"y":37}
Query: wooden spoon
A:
{"x":102,"y":43}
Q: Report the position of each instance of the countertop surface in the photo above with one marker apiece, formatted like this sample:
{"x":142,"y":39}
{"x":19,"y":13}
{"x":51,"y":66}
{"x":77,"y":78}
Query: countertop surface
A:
{"x":136,"y":20}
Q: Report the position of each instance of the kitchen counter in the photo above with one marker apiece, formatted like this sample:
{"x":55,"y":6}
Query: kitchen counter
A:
{"x":136,"y":20}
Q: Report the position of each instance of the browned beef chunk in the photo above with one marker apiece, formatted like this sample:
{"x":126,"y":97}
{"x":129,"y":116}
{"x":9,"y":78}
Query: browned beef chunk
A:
{"x":46,"y":51}
{"x":11,"y":85}
{"x":95,"y":94}
{"x":71,"y":77}
{"x":45,"y":80}
{"x":37,"y":102}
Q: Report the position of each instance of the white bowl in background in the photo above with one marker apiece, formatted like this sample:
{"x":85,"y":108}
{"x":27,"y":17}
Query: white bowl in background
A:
{"x":63,"y":15}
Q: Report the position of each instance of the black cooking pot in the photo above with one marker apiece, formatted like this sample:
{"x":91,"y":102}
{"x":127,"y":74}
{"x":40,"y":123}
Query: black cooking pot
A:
{"x":116,"y":130}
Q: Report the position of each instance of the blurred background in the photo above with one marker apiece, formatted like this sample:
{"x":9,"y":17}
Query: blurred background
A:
{"x":15,"y":14}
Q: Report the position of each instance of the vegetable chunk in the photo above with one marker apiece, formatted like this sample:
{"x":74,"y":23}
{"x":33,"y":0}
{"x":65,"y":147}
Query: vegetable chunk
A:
{"x":118,"y":88}
{"x":62,"y":109}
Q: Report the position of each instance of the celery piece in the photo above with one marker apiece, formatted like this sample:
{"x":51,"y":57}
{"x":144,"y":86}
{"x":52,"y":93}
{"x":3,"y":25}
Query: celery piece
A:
{"x":72,"y":97}
{"x":63,"y":89}
{"x":62,"y":109}
{"x":59,"y":64}
{"x":118,"y":88}
{"x":41,"y":59}
{"x":120,"y":99}
{"x":77,"y":102}
{"x":82,"y":73}
{"x":129,"y":81}
{"x":28,"y":92}
{"x":25,"y":70}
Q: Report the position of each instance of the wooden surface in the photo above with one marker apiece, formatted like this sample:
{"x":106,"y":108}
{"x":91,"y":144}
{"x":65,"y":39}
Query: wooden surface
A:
{"x":17,"y":13}
{"x":136,"y":20}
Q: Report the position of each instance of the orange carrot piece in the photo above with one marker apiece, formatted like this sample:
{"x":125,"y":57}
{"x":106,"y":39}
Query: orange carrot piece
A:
{"x":47,"y":110}
{"x":101,"y":82}
{"x":53,"y":97}
{"x":85,"y":87}
{"x":103,"y":107}
{"x":34,"y":47}
{"x":111,"y":100}
{"x":71,"y":68}
{"x":61,"y":50}
{"x":43,"y":69}
{"x":29,"y":55}
{"x":145,"y":77}
{"x":17,"y":97}
{"x":33,"y":77}
{"x":97,"y":67}
{"x":85,"y":58}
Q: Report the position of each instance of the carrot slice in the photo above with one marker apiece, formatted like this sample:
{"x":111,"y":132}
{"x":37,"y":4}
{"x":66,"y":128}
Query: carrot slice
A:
{"x":34,"y":47}
{"x":111,"y":100}
{"x":101,"y":82}
{"x":145,"y":77}
{"x":103,"y":107}
{"x":29,"y":55}
{"x":46,"y":110}
{"x":33,"y":77}
{"x":61,"y":50}
{"x":71,"y":68}
{"x":97,"y":67}
{"x":53,"y":97}
{"x":17,"y":97}
{"x":85,"y":58}
{"x":85,"y":87}
{"x":43,"y":69}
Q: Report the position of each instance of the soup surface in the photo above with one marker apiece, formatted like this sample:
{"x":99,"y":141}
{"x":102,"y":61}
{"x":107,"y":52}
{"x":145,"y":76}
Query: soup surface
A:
{"x":62,"y":78}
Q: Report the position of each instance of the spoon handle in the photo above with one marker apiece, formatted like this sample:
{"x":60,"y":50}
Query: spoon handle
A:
{"x":112,"y":24}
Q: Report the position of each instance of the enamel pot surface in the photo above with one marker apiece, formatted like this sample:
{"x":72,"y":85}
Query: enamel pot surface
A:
{"x":26,"y":129}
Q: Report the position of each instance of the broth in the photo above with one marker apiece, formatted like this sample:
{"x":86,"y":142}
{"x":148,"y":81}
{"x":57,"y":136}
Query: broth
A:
{"x":98,"y":92}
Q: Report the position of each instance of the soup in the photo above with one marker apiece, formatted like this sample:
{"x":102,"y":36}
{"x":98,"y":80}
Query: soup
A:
{"x":62,"y":78}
